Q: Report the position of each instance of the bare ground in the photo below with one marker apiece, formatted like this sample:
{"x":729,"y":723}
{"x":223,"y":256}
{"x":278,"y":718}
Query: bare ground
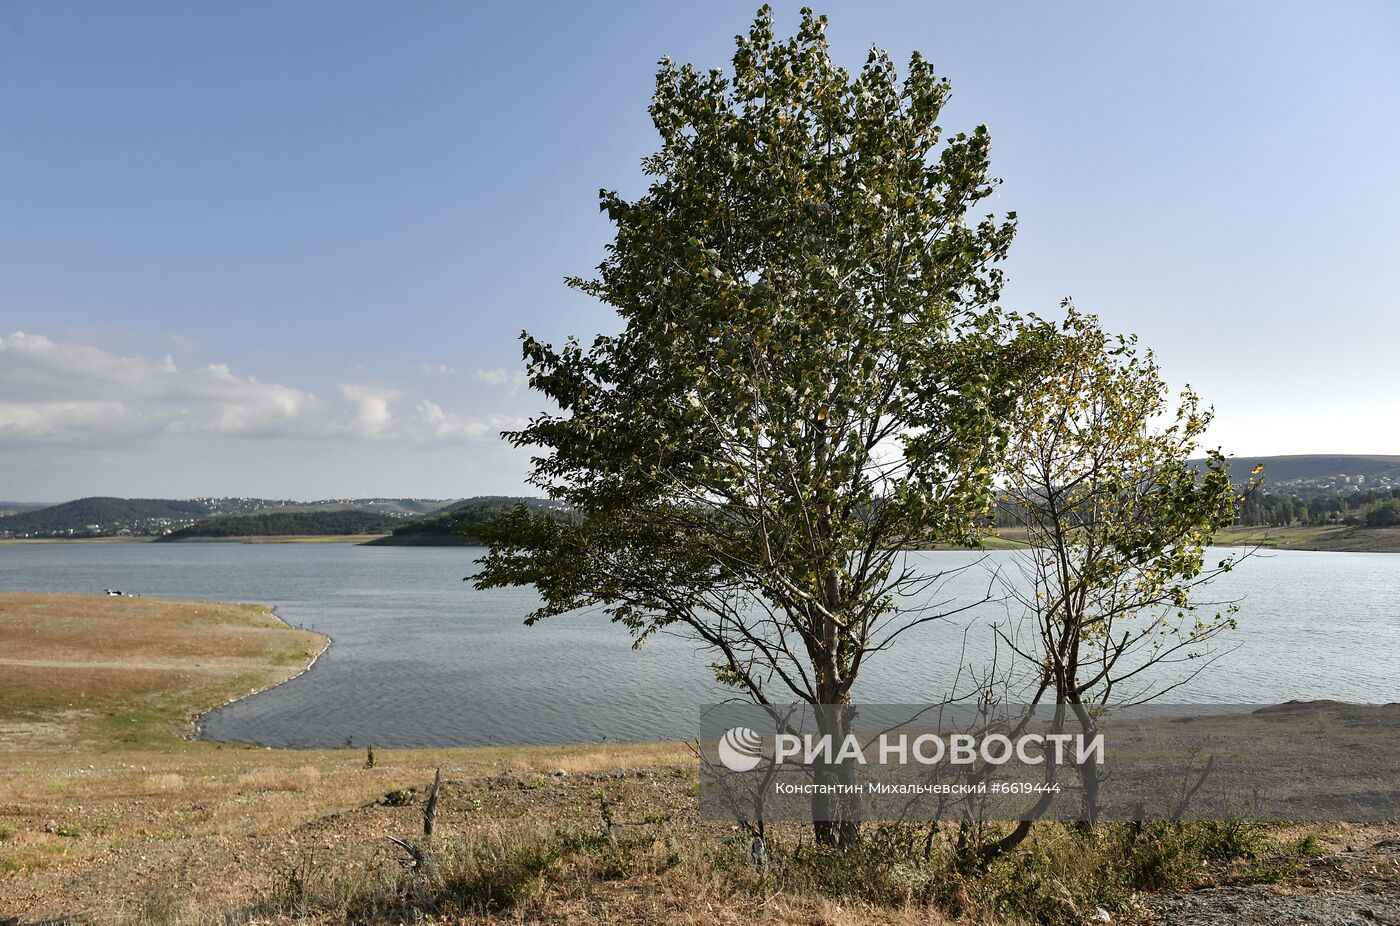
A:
{"x":204,"y":877}
{"x":1358,"y":885}
{"x":109,"y":816}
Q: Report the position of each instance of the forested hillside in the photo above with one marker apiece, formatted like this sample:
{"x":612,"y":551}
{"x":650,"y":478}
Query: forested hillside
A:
{"x":460,"y":525}
{"x":287,"y":524}
{"x":154,"y":517}
{"x":97,"y":515}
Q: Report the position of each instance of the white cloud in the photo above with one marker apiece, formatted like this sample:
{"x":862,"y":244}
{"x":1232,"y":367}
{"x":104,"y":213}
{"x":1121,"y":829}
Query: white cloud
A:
{"x":431,"y":421}
{"x":372,"y":415}
{"x":494,"y":377}
{"x":58,"y":419}
{"x":52,"y":391}
{"x":438,"y":369}
{"x":515,"y":379}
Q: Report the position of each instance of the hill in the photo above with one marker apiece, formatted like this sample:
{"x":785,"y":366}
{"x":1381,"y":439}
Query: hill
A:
{"x":461,"y":524}
{"x":153,"y":517}
{"x":9,"y":508}
{"x":399,"y":508}
{"x":337,"y":523}
{"x":1322,"y":472}
{"x":98,"y":515}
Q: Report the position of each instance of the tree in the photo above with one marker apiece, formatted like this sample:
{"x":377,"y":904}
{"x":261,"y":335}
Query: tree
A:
{"x":812,"y":377}
{"x":1383,"y":513}
{"x":1118,"y":518}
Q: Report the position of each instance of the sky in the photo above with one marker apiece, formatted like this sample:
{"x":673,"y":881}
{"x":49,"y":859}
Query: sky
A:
{"x":287,"y":249}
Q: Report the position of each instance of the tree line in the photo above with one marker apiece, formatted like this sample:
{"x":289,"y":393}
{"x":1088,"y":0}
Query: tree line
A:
{"x":288,"y":524}
{"x":1371,"y":508}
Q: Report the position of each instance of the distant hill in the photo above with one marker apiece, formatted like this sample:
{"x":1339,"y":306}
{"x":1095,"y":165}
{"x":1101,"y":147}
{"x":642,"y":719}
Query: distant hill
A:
{"x":100,"y":515}
{"x":9,"y":508}
{"x":287,"y":524}
{"x":400,"y":508}
{"x":1321,"y":472}
{"x":461,"y":524}
{"x":153,"y":517}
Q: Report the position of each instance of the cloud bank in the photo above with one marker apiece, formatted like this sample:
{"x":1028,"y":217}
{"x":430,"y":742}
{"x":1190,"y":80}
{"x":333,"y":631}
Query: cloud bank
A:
{"x":74,"y":393}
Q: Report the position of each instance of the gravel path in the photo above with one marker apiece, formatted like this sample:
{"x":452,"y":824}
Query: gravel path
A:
{"x":1358,"y":887}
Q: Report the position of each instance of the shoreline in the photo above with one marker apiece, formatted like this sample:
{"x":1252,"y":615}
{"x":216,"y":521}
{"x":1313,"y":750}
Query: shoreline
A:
{"x":1328,"y":539}
{"x":356,"y":539}
{"x":1333,"y":538}
{"x":196,"y":722}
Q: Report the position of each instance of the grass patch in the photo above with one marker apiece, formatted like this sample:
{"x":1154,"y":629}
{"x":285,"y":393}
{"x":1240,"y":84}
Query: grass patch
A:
{"x":514,"y":871}
{"x":1062,"y":876}
{"x":158,"y":662}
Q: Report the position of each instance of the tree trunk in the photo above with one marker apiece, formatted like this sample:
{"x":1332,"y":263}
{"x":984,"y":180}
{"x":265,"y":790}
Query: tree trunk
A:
{"x":1089,"y":768}
{"x":835,"y":816}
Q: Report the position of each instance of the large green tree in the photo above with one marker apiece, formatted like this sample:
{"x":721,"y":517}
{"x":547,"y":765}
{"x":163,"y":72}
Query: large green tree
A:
{"x":811,"y":376}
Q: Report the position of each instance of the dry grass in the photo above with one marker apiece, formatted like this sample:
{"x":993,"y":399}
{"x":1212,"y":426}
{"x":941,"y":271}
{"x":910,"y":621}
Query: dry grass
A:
{"x":96,"y":775}
{"x":126,"y":671}
{"x":1333,"y":538}
{"x":108,"y":813}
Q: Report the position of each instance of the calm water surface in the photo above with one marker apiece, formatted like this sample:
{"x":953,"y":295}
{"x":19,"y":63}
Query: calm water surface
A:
{"x":420,"y":658}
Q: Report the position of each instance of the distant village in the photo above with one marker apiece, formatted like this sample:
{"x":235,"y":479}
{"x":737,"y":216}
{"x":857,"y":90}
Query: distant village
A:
{"x":118,"y":517}
{"x":1340,"y":483}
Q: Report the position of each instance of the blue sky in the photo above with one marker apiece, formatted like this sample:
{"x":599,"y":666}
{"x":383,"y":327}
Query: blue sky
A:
{"x":286,"y":249}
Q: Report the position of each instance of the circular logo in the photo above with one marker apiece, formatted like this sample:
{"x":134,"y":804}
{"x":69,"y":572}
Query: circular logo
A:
{"x":740,"y":749}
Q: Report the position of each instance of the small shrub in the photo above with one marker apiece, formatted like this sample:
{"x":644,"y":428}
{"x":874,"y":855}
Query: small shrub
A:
{"x":496,"y":878}
{"x":1308,"y":846}
{"x":1222,"y":840}
{"x":885,"y":868}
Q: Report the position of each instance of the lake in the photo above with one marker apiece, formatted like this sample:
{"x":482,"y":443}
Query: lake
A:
{"x":420,"y":658}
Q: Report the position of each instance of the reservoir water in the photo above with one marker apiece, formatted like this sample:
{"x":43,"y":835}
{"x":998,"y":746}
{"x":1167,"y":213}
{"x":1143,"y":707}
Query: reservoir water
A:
{"x":420,"y":658}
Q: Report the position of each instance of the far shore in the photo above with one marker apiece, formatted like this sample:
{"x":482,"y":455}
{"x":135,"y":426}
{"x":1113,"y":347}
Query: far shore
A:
{"x":282,"y":538}
{"x":269,"y":538}
{"x":33,"y":540}
{"x":1330,"y":538}
{"x":1335,"y":538}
